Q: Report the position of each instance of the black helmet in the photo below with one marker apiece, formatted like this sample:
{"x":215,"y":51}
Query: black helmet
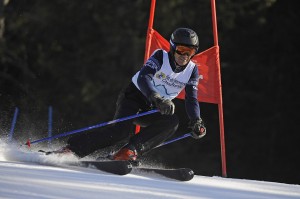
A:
{"x":185,"y":37}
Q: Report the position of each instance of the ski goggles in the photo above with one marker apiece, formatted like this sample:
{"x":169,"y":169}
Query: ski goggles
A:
{"x":184,"y":50}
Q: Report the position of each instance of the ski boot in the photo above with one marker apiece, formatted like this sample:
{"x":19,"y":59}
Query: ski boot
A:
{"x":127,"y":153}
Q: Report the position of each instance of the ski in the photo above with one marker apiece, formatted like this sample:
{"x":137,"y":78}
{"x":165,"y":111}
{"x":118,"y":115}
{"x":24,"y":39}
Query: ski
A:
{"x":122,"y":167}
{"x":181,"y":174}
{"x":118,"y":167}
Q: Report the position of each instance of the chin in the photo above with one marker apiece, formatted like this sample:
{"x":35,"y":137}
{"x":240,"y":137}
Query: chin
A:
{"x":183,"y":63}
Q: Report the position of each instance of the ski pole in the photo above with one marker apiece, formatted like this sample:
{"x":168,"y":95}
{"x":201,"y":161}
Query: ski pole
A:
{"x":177,"y":138}
{"x":174,"y":140}
{"x":28,"y":143}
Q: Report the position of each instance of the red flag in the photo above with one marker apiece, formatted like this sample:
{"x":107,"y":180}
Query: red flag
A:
{"x":209,"y":82}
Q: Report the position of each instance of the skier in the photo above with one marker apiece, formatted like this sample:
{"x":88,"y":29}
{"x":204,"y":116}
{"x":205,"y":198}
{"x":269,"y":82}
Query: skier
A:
{"x":161,"y":79}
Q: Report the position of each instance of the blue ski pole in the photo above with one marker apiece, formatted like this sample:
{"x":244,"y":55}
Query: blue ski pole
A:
{"x":174,"y":140}
{"x":28,"y":143}
{"x":177,"y":138}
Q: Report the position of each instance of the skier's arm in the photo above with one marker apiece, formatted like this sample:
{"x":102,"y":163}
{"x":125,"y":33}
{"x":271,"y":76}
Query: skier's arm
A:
{"x":191,"y":96}
{"x":153,"y":64}
{"x":192,"y":106}
{"x":147,"y":72}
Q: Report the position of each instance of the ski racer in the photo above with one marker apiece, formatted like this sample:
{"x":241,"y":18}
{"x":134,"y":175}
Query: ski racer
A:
{"x":159,"y":81}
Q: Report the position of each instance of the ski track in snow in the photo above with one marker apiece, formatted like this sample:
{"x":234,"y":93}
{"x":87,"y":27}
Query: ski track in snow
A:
{"x":25,"y":174}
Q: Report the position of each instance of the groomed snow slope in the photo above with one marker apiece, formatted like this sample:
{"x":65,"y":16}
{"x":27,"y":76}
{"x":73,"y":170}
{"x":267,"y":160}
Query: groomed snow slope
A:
{"x":27,"y":178}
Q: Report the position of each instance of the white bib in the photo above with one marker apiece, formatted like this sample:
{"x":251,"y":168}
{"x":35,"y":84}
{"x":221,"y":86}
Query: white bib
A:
{"x":166,"y":82}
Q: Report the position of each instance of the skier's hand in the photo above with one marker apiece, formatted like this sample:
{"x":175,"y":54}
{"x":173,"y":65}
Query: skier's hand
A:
{"x":198,"y":128}
{"x":165,"y":106}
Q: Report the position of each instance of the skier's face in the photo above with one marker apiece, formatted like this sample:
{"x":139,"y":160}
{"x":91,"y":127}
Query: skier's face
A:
{"x":183,"y":54}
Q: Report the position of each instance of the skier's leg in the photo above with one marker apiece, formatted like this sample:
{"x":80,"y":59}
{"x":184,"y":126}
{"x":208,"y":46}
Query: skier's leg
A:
{"x":86,"y":143}
{"x":156,"y":128}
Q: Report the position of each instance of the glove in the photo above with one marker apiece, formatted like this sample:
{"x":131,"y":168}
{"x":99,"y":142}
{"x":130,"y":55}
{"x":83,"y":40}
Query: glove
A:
{"x":165,"y":106}
{"x":198,"y":128}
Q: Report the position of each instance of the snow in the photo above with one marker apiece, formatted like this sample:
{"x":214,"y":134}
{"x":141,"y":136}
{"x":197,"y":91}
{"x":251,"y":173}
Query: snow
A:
{"x":26,"y":174}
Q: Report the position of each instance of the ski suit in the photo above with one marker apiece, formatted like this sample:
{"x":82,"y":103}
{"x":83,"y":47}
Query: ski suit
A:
{"x":159,"y":74}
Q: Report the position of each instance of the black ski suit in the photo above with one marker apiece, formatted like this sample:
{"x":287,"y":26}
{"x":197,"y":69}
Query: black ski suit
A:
{"x":155,"y":128}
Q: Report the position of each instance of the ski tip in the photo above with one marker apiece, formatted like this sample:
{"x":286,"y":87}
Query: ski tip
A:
{"x":180,"y":174}
{"x":28,"y":143}
{"x":187,"y":174}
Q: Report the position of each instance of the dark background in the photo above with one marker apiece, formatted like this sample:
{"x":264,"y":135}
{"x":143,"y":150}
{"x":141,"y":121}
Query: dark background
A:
{"x":76,"y":56}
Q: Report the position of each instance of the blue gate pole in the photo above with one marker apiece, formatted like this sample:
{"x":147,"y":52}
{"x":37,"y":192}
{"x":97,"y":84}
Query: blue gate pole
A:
{"x":50,"y":110}
{"x":13,"y":124}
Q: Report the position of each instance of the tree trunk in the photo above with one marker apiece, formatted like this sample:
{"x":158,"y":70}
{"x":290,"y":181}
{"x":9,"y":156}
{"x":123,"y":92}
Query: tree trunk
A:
{"x":3,"y":3}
